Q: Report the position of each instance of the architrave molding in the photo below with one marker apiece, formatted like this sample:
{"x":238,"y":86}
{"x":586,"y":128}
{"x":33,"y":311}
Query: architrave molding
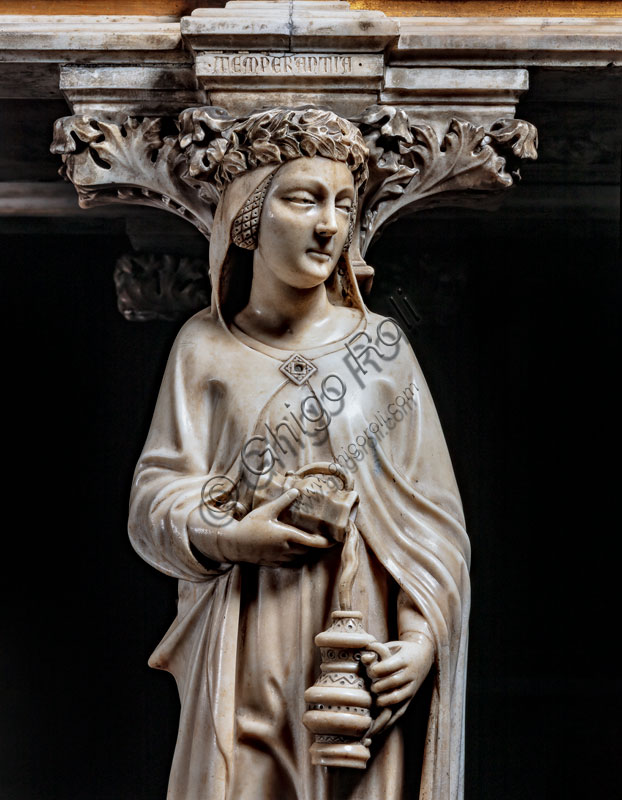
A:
{"x":32,"y":48}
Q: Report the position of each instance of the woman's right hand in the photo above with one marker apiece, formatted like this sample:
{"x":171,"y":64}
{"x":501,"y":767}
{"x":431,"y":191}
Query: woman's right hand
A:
{"x":259,"y":537}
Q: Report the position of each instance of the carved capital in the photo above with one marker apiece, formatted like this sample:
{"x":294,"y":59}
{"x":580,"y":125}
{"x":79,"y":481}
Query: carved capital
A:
{"x":166,"y":163}
{"x":179,"y":164}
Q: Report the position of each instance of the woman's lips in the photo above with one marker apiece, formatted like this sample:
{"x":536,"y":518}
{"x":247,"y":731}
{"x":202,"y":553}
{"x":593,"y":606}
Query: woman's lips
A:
{"x":322,"y":255}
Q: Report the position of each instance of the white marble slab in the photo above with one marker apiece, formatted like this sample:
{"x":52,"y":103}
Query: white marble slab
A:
{"x":520,"y":41}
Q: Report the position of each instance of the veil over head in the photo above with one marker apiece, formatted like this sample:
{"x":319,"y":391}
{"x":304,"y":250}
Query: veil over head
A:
{"x":231,"y":266}
{"x":253,"y":149}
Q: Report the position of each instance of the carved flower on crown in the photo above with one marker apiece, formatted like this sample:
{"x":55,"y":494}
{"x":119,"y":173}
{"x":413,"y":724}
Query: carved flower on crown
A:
{"x":201,"y":159}
{"x":233,"y":163}
{"x":197,"y":123}
{"x":264,"y":151}
{"x":216,"y":152}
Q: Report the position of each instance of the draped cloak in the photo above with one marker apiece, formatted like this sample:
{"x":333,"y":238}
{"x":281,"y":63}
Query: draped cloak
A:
{"x":243,"y":635}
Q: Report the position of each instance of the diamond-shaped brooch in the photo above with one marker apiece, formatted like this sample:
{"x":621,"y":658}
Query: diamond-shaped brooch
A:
{"x":298,"y":369}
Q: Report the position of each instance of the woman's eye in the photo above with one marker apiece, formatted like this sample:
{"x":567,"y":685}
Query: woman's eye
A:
{"x":301,"y":199}
{"x":347,"y":207}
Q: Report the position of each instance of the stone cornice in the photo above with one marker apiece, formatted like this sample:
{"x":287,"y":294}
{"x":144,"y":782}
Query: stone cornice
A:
{"x":33,"y":48}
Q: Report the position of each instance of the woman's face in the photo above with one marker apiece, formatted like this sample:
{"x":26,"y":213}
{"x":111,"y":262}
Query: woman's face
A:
{"x":305,"y":219}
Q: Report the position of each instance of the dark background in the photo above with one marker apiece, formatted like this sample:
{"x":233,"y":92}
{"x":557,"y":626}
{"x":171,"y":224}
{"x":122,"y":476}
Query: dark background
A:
{"x":518,"y":336}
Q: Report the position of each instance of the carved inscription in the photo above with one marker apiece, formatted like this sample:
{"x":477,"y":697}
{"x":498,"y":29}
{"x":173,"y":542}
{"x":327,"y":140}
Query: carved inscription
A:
{"x":259,"y":64}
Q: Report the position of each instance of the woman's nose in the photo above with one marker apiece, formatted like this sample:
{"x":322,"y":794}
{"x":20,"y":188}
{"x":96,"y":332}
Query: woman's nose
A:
{"x":327,"y":224}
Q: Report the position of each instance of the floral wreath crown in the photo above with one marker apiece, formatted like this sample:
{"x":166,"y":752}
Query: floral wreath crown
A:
{"x":267,"y":137}
{"x":264,"y":138}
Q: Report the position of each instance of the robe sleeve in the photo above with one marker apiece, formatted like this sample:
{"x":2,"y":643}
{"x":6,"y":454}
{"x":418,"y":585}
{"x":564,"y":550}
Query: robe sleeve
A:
{"x":173,"y":467}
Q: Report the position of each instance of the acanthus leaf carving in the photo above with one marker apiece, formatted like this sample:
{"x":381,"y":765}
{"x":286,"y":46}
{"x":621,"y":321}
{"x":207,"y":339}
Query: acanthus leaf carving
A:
{"x":132,"y":161}
{"x":160,"y":287}
{"x":518,"y":135}
{"x":411,"y":168}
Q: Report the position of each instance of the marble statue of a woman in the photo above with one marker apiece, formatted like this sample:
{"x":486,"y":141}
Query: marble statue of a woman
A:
{"x":286,"y":370}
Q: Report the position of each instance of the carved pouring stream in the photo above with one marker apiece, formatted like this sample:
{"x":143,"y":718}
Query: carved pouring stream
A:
{"x":339,"y":704}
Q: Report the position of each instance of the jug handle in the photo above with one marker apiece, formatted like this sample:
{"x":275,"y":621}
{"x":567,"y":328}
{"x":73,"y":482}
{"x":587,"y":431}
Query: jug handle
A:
{"x":387,"y":716}
{"x":325,"y":468}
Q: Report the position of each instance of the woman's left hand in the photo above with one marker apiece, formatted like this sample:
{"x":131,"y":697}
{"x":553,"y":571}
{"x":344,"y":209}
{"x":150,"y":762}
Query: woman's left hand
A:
{"x":398,"y":677}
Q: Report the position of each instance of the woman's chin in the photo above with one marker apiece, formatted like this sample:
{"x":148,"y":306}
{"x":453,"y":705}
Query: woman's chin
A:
{"x":309,"y":281}
{"x":311,"y":273}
